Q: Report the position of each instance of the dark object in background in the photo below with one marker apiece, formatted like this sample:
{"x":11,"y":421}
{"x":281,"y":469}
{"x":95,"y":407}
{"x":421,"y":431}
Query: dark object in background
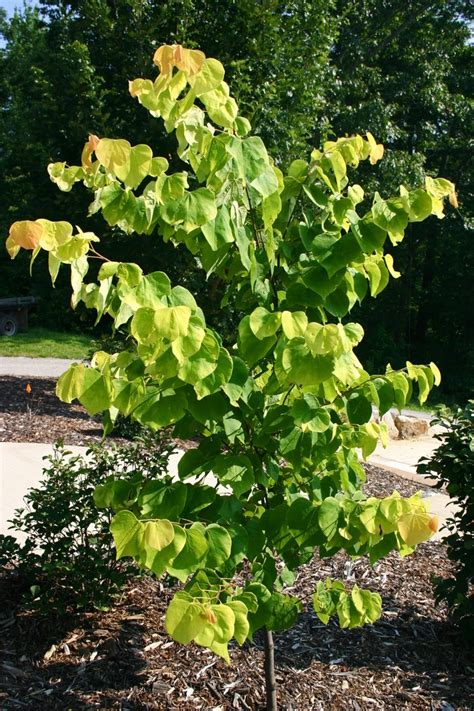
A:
{"x":14,"y":314}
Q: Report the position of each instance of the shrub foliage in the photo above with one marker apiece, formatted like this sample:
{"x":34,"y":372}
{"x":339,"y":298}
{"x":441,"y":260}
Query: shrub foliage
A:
{"x":452,"y":464}
{"x":65,"y":554}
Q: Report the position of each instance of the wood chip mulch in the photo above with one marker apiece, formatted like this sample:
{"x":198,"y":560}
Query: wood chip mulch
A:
{"x":39,"y":416}
{"x":412,"y":658}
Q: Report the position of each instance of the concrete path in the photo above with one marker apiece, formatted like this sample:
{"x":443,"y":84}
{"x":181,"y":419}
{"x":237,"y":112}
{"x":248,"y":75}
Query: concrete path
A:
{"x":402,"y":455}
{"x":21,"y":467}
{"x":34,"y":367}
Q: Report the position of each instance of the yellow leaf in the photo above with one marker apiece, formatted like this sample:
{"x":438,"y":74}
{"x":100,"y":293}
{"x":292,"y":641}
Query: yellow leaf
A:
{"x":434,"y":523}
{"x":436,"y":373}
{"x":54,"y":234}
{"x":164,"y":58}
{"x":26,"y":234}
{"x":191,"y":61}
{"x":389,"y":262}
{"x":87,"y":151}
{"x":376,"y":149}
{"x":113,"y":153}
{"x":417,"y":526}
{"x":188,"y":60}
{"x":140,"y":86}
{"x":12,"y":247}
{"x":158,"y":534}
{"x":438,"y":188}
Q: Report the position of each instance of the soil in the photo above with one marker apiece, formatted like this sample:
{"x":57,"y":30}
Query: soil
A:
{"x":121,"y":658}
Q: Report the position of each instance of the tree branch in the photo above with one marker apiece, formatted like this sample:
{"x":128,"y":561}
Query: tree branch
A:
{"x":254,"y":223}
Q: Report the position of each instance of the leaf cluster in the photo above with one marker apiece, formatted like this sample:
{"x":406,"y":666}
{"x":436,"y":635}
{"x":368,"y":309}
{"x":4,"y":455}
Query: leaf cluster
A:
{"x":211,"y":535}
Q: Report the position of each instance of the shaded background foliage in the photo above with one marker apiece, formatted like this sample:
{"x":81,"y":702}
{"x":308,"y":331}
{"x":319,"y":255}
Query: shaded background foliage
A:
{"x":302,"y":71}
{"x":406,"y":75}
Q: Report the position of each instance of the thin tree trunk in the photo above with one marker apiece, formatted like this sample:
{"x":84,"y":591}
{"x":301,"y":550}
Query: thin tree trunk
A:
{"x":270,"y":681}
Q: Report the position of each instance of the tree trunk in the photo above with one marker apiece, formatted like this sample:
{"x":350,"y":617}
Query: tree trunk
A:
{"x":270,"y":682}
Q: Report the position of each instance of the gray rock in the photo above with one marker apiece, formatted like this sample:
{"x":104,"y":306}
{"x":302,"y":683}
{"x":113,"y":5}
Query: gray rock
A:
{"x":411,"y":427}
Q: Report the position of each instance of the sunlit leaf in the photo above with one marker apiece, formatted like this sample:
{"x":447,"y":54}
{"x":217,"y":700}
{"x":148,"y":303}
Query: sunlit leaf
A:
{"x":184,"y":619}
{"x":26,"y":234}
{"x":158,"y":534}
{"x":114,"y":154}
{"x":416,"y":526}
{"x":127,"y":531}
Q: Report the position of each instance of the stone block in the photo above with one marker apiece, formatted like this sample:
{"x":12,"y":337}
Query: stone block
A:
{"x":393,"y":432}
{"x":411,"y":427}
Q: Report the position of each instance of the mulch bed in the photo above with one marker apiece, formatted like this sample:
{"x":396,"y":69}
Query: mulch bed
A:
{"x":412,"y":658}
{"x":40,"y":417}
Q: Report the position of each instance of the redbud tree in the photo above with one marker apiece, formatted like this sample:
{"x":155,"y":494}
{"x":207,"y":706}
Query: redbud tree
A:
{"x":284,"y":413}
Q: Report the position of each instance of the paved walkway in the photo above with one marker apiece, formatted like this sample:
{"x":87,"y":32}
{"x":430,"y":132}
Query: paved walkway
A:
{"x":34,"y":367}
{"x":21,"y":467}
{"x":402,"y":455}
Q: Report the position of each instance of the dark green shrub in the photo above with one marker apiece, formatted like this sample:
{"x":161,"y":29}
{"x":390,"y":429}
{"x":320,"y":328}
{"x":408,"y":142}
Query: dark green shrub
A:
{"x":68,"y":557}
{"x":452,"y":464}
{"x":112,"y":343}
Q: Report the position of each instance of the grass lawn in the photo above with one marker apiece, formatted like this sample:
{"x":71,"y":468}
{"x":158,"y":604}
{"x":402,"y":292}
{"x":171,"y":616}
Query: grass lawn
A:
{"x":42,"y":343}
{"x":436,"y":400}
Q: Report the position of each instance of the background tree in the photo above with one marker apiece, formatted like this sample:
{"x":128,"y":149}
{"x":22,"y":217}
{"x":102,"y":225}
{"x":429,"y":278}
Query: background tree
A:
{"x":405,"y":73}
{"x":54,"y":72}
{"x":103,"y":44}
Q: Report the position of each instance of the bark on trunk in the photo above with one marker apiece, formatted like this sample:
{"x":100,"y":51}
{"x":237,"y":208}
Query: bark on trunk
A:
{"x":270,"y":681}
